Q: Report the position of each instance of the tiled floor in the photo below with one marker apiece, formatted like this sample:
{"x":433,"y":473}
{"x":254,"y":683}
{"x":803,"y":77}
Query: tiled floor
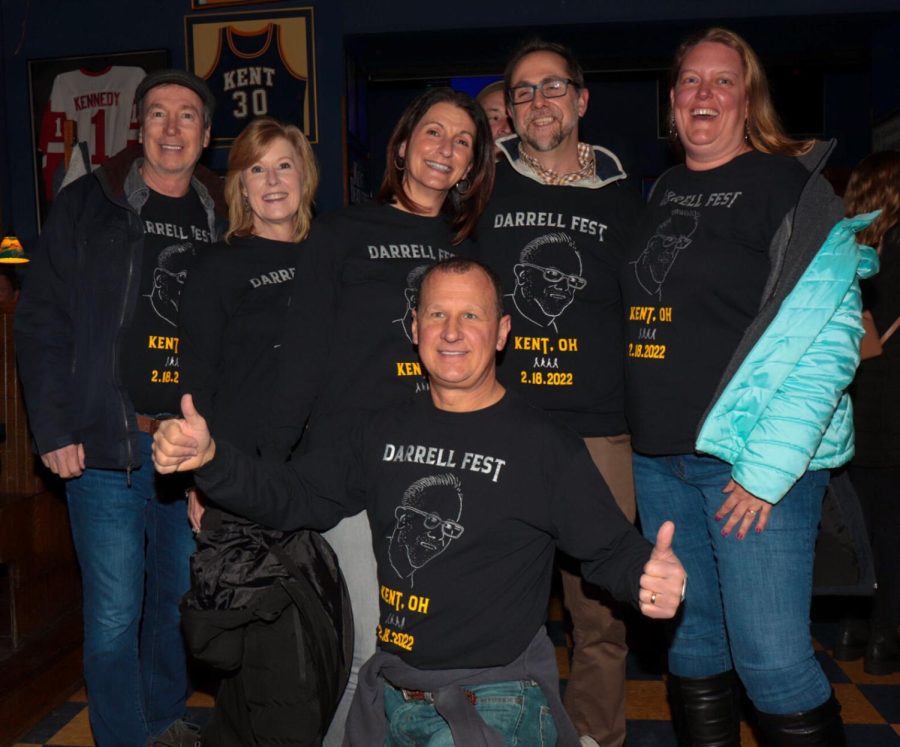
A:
{"x":871,"y":705}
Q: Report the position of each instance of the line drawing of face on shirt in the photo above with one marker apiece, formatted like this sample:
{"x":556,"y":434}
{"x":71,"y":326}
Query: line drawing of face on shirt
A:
{"x":671,"y":236}
{"x":168,"y":280}
{"x":547,"y":276}
{"x":411,"y":293}
{"x":427,"y":522}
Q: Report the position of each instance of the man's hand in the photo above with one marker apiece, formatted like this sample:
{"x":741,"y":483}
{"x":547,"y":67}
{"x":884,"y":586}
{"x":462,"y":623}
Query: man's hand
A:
{"x":664,"y":579}
{"x":66,"y":462}
{"x":182,"y":445}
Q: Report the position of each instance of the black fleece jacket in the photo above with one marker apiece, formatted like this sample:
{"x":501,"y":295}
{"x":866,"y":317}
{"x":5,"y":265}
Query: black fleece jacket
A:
{"x":78,"y":296}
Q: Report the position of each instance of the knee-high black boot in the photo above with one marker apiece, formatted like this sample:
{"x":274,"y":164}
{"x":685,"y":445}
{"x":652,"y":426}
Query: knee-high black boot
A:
{"x":820,"y":727}
{"x":705,"y":710}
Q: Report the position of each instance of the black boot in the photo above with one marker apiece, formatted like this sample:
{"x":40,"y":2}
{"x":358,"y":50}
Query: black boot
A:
{"x":882,"y":653}
{"x":851,"y":641}
{"x":705,"y":710}
{"x":820,"y":727}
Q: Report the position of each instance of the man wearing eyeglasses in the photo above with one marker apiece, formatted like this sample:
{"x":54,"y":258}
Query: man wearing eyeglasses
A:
{"x":168,"y":280}
{"x":547,"y":276}
{"x":427,"y":521}
{"x":556,"y":230}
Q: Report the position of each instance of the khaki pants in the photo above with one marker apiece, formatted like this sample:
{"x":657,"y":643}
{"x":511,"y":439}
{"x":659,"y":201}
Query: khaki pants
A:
{"x":595,"y":693}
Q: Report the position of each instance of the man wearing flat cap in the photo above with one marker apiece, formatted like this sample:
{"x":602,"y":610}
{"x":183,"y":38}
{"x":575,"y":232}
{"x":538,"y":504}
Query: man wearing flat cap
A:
{"x":99,"y":367}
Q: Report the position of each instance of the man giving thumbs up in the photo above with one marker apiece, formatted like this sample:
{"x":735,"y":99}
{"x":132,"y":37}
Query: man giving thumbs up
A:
{"x":469,"y":492}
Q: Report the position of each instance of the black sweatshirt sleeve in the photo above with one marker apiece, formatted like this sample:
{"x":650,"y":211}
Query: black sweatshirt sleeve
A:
{"x":313,"y":491}
{"x":594,"y":530}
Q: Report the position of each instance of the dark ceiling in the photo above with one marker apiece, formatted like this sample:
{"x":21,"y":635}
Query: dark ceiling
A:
{"x":825,"y":42}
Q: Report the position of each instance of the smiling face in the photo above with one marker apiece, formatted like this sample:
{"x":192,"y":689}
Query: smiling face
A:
{"x":173,"y":135}
{"x":547,"y":124}
{"x":437,"y":155}
{"x":547,"y":278}
{"x":426,"y":529}
{"x":273,"y":187}
{"x":458,"y":331}
{"x":494,"y":105}
{"x":709,"y":102}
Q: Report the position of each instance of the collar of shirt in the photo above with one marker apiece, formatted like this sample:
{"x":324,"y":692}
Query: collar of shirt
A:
{"x":586,"y":163}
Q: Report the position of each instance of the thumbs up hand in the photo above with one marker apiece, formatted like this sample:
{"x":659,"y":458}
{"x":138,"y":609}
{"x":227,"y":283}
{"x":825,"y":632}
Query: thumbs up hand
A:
{"x":183,"y":444}
{"x":664,"y":580}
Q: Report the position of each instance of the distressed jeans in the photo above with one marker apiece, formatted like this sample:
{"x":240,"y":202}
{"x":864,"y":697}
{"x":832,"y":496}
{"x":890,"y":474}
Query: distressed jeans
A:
{"x":517,"y":709}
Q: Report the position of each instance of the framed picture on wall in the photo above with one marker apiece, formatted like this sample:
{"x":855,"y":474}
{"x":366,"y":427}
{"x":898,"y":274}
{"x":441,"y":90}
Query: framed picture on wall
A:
{"x":82,"y":112}
{"x":256,"y":63}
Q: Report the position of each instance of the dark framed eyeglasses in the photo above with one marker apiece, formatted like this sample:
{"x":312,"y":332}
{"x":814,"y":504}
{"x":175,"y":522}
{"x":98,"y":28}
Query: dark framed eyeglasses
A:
{"x":554,"y":276}
{"x":552,"y":88}
{"x":430,"y":520}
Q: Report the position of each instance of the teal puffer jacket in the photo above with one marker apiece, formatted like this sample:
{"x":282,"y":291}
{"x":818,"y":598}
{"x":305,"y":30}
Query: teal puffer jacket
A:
{"x":785,"y":409}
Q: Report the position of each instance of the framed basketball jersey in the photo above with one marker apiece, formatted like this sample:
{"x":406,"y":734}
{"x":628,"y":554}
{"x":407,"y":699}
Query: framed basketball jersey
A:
{"x":82,"y":112}
{"x":257,"y":63}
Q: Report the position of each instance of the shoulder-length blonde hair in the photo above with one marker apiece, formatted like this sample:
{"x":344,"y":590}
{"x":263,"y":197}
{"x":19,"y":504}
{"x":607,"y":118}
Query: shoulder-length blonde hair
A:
{"x":875,"y":185}
{"x":247,"y":149}
{"x":764,"y":129}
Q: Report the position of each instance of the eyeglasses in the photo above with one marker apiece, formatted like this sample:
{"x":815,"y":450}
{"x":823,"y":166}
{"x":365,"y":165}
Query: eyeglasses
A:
{"x":179,"y":277}
{"x":552,"y":88}
{"x":554,"y":276}
{"x":431,"y":521}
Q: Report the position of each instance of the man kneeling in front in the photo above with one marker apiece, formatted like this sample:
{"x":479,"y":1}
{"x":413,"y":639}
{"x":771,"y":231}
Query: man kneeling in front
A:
{"x":468,"y":494}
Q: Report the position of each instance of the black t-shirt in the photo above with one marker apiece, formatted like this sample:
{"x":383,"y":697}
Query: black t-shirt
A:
{"x":348,"y":336}
{"x":466,"y":512}
{"x":232,"y":315}
{"x":174,"y":228}
{"x":558,"y":252}
{"x":693,"y":285}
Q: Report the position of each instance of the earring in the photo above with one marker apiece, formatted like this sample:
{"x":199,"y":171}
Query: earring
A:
{"x":746,"y":130}
{"x":673,"y":130}
{"x":399,"y":163}
{"x":462,"y":187}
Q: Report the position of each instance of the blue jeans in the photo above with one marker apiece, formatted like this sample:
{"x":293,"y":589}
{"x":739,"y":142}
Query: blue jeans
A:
{"x":133,"y":544}
{"x":747,"y":604}
{"x":518,"y":710}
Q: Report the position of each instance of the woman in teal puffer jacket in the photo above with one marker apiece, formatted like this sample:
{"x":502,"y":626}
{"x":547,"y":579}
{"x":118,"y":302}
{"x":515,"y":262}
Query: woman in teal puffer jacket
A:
{"x":743,"y":334}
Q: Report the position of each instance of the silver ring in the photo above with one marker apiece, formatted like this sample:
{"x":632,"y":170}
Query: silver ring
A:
{"x":751,"y":512}
{"x":653,"y":597}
